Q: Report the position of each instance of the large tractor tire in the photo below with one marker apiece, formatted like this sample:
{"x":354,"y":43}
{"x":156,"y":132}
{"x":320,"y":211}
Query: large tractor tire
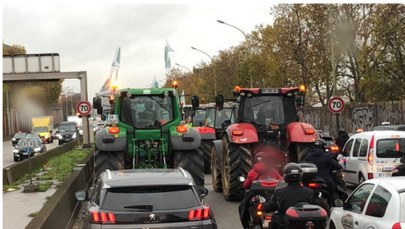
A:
{"x":206,"y":149}
{"x":192,"y":161}
{"x":108,"y":160}
{"x":298,"y":151}
{"x":216,"y":170}
{"x":236,"y":162}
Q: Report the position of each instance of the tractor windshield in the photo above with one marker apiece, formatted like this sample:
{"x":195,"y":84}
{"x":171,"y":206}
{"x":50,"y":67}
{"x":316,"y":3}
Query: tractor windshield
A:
{"x":265,"y":110}
{"x":147,"y":111}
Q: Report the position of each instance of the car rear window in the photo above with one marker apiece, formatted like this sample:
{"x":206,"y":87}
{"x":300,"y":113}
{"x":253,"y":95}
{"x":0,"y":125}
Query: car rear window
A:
{"x":391,"y":148}
{"x":378,"y":202}
{"x":150,"y":198}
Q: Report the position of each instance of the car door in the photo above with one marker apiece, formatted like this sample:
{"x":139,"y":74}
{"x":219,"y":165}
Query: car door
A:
{"x":354,"y":207}
{"x":346,"y":156}
{"x":381,"y":210}
{"x":353,"y":167}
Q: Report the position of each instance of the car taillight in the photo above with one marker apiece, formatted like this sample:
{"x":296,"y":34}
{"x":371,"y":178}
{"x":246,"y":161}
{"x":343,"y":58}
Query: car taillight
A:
{"x":370,"y":176}
{"x":237,"y":132}
{"x":370,"y":157}
{"x":397,"y":226}
{"x":199,"y":214}
{"x":314,"y":185}
{"x":102,"y":217}
{"x":259,"y":211}
{"x":268,"y":217}
{"x":292,"y":213}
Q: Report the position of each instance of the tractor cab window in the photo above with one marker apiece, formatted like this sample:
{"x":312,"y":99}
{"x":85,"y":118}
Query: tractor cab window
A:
{"x":223,"y":116}
{"x":151,"y":111}
{"x":265,"y":110}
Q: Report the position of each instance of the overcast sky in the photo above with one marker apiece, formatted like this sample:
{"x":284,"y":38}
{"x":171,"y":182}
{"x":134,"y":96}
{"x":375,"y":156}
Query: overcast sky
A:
{"x":86,"y":36}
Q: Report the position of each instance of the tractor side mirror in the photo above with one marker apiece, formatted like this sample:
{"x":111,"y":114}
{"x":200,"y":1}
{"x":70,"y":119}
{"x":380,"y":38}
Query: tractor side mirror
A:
{"x":226,"y":123}
{"x":195,"y":101}
{"x":97,"y":105}
{"x":219,"y":102}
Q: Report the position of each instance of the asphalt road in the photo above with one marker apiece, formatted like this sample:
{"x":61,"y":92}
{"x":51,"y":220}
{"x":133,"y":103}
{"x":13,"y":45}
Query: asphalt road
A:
{"x":8,"y":158}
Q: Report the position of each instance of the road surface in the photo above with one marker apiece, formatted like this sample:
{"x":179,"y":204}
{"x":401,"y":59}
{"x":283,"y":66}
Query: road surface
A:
{"x":8,"y":158}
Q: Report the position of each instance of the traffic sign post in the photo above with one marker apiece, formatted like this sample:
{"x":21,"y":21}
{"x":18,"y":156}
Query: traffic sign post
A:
{"x":336,"y":104}
{"x":84,"y":109}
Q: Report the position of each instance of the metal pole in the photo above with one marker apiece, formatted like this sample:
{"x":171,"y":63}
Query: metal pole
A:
{"x":332,"y":47}
{"x":85,"y":119}
{"x":213,"y":70}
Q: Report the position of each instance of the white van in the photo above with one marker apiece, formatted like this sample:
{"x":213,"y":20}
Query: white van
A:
{"x":372,"y":154}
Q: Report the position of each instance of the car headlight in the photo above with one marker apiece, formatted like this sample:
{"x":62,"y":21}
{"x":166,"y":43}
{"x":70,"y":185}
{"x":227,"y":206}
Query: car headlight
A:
{"x":60,"y":136}
{"x":13,"y":139}
{"x":37,"y":149}
{"x":15,"y":151}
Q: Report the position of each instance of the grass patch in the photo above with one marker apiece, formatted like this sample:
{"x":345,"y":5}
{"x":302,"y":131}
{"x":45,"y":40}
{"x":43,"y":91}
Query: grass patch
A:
{"x":45,"y":186}
{"x":10,"y":186}
{"x":33,"y":214}
{"x":62,"y":166}
{"x":45,"y":177}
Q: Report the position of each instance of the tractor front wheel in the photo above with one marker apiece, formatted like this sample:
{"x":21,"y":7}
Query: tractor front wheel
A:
{"x":108,"y":160}
{"x":216,"y":170}
{"x":192,"y":161}
{"x":236,"y":162}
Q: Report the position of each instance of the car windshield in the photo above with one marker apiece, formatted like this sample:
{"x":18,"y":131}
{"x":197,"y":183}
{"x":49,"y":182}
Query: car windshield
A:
{"x":20,"y":135}
{"x":24,"y":142}
{"x":150,"y":198}
{"x":263,"y":110}
{"x":391,"y":148}
{"x":152,"y":111}
{"x":40,"y":129}
{"x":67,"y":129}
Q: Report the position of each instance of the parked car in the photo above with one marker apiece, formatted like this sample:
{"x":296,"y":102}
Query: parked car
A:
{"x":20,"y":152}
{"x":67,"y":132}
{"x":17,"y":137}
{"x":372,"y":154}
{"x":146,"y":198}
{"x":377,"y":203}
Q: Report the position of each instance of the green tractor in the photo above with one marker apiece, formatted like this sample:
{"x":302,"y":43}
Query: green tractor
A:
{"x":145,"y":131}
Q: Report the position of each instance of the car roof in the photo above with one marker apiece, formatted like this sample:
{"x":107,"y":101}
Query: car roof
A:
{"x":143,"y":177}
{"x":379,"y":133}
{"x":68,"y":122}
{"x":390,"y":127}
{"x":396,"y":182}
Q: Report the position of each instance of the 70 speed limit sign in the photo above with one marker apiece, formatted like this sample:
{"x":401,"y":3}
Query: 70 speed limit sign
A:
{"x":83,"y":108}
{"x":336,"y":104}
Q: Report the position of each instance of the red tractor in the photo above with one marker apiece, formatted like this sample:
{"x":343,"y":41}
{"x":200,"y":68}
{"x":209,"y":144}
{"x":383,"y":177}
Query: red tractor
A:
{"x":267,"y":120}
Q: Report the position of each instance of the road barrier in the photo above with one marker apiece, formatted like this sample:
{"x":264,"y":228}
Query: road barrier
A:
{"x":18,"y":170}
{"x":60,"y":210}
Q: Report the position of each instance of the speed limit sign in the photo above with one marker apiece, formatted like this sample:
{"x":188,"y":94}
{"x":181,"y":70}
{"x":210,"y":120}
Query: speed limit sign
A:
{"x":336,"y":104}
{"x":83,"y":108}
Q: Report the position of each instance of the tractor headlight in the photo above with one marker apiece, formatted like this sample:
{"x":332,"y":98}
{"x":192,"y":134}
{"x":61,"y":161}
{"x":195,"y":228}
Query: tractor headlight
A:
{"x":74,"y":135}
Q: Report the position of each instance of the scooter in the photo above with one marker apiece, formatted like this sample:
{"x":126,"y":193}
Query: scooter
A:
{"x":399,"y":169}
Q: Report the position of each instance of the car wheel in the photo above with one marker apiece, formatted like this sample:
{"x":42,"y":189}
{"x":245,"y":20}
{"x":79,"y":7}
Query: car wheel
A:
{"x":16,"y":159}
{"x":361,"y":178}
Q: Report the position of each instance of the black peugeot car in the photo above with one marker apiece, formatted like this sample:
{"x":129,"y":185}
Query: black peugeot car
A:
{"x":68,"y":131}
{"x":20,"y":153}
{"x":17,"y":137}
{"x":146,"y":198}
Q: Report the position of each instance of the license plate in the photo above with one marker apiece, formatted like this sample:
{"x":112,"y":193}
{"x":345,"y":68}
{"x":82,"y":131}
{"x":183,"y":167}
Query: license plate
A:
{"x":266,"y":223}
{"x":25,"y":153}
{"x":309,"y":225}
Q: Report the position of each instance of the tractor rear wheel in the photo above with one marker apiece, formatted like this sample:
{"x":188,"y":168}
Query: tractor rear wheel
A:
{"x":236,"y":162}
{"x":216,"y":170}
{"x":108,"y":160}
{"x":192,"y":161}
{"x":206,"y":149}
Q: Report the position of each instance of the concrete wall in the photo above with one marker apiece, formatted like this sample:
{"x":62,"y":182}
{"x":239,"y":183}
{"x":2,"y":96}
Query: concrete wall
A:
{"x":364,"y":116}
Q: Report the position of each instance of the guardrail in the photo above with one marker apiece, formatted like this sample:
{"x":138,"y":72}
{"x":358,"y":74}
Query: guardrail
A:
{"x":60,"y":210}
{"x":18,"y":170}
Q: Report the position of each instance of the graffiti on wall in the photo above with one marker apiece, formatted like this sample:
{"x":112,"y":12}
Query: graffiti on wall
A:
{"x":386,"y":114}
{"x":363,"y":117}
{"x":313,"y":117}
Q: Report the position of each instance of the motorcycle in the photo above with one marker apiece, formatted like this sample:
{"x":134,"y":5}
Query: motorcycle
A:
{"x":261,"y":192}
{"x":399,"y":169}
{"x":303,"y":216}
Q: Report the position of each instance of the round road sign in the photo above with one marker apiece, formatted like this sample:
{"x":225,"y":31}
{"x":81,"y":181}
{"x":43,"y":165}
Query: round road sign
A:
{"x":336,"y":104}
{"x":83,"y":108}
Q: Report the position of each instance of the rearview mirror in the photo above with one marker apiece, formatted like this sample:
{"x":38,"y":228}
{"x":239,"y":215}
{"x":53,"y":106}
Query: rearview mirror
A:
{"x":338,"y":203}
{"x":202,"y":191}
{"x":402,"y":160}
{"x":81,"y":195}
{"x":195,"y":101}
{"x":219,"y":102}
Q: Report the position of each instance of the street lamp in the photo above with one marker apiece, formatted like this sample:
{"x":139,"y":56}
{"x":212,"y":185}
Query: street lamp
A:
{"x":244,"y":34}
{"x":183,"y":67}
{"x":213,"y":70}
